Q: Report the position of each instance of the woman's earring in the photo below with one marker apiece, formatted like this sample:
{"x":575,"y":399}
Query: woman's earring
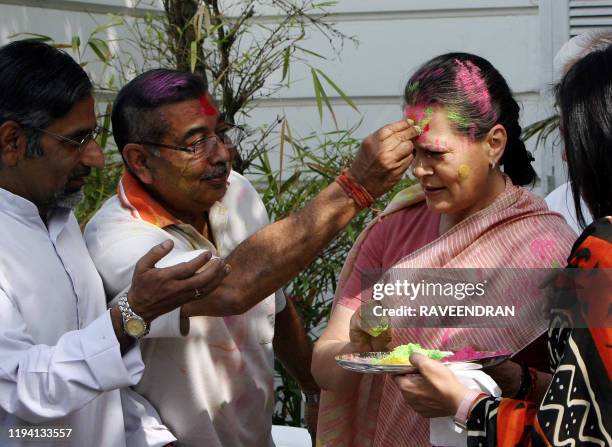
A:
{"x":492,"y":164}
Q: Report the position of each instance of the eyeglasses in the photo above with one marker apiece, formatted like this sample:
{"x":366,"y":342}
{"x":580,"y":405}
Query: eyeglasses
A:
{"x":81,"y":143}
{"x":230,"y":136}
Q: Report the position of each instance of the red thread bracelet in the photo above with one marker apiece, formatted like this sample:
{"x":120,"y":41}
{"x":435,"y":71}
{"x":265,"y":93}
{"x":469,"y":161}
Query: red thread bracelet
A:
{"x":354,"y":190}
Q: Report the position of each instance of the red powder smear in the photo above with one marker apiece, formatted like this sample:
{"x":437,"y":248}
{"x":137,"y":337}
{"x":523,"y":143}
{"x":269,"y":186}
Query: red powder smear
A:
{"x":469,"y":81}
{"x":426,"y":128}
{"x":468,"y":353}
{"x":207,"y":107}
{"x":409,"y":114}
{"x":416,"y":112}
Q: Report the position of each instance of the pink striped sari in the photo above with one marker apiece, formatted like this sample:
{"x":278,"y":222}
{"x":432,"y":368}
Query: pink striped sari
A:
{"x":517,"y":230}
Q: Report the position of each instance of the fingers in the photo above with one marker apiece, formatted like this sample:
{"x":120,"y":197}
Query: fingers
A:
{"x":153,"y":256}
{"x":184,"y":270}
{"x":400,"y":125}
{"x":403,"y":130}
{"x":216,"y":275}
{"x":208,"y":279}
{"x":404,"y":153}
{"x":409,"y":382}
{"x":424,"y":364}
{"x":427,"y":367}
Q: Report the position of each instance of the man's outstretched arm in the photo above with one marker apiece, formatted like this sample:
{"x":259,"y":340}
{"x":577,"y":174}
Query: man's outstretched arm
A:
{"x":275,"y":254}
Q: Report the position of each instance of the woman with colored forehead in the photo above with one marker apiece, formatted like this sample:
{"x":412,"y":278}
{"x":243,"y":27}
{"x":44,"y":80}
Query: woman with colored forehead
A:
{"x":468,"y":210}
{"x":577,"y":406}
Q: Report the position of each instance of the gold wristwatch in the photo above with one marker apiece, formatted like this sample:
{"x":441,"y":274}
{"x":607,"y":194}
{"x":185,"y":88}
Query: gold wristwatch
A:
{"x":133,"y":325}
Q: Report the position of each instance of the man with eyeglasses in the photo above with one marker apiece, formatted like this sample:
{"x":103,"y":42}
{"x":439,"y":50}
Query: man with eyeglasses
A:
{"x":63,"y":356}
{"x":214,"y":386}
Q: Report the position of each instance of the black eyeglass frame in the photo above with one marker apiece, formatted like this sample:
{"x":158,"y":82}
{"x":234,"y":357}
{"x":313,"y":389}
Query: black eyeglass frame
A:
{"x":191,"y":149}
{"x":89,"y":136}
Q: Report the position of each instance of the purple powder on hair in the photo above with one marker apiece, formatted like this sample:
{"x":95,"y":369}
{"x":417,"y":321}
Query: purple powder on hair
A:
{"x":159,"y":85}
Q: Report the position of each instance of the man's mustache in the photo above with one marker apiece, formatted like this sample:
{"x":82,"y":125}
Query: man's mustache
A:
{"x":80,"y":172}
{"x":217,"y":171}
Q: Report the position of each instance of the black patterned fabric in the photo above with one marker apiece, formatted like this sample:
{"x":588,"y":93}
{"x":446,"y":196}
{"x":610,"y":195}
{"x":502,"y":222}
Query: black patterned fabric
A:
{"x":577,"y":407}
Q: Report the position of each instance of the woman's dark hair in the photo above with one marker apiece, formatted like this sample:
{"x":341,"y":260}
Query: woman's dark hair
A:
{"x":135,"y":117}
{"x":584,"y":96}
{"x":476,"y":98}
{"x":38,"y":84}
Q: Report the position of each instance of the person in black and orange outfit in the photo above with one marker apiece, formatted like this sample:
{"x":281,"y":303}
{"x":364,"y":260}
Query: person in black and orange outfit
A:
{"x":576,"y":408}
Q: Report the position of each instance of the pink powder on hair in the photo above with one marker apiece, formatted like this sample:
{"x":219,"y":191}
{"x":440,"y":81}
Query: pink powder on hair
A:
{"x":469,"y":81}
{"x":430,"y":73}
{"x":207,"y":107}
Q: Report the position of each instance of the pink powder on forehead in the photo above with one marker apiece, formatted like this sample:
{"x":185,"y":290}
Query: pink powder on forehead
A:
{"x":207,"y":107}
{"x":469,"y":81}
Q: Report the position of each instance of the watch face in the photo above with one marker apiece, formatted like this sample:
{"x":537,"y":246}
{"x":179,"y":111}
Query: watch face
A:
{"x":135,"y":327}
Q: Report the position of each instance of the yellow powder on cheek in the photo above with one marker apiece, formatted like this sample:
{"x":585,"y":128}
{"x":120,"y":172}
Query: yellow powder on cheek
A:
{"x":463,"y":172}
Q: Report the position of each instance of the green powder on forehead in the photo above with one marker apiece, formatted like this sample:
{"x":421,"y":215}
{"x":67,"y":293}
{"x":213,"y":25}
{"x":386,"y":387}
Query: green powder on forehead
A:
{"x":429,"y":111}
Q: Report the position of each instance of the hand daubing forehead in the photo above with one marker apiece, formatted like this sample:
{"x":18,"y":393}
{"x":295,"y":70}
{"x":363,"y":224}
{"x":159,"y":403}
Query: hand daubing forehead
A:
{"x":420,"y":114}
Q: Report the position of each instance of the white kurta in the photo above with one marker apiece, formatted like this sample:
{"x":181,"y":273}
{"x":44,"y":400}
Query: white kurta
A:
{"x":214,"y":387}
{"x":60,"y":362}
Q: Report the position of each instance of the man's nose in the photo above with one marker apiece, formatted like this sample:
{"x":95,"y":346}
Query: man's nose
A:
{"x":221,"y":153}
{"x":93,"y":155}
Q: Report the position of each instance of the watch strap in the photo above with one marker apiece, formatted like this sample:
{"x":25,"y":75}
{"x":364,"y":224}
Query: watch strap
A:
{"x":128,"y":314}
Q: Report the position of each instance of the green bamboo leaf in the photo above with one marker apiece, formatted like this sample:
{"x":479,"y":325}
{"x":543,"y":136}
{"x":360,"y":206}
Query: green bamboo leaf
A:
{"x":33,"y":36}
{"x":343,"y":95}
{"x":290,"y":182}
{"x":329,"y":107}
{"x":286,"y":60}
{"x":106,"y":125}
{"x":322,"y":97}
{"x":317,"y":89}
{"x":76,"y":45}
{"x":281,"y":151}
{"x":114,"y":21}
{"x":100,"y":48}
{"x":193,"y":53}
{"x":312,"y":53}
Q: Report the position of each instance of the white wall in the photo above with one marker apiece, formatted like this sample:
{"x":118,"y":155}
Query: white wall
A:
{"x":520,"y":38}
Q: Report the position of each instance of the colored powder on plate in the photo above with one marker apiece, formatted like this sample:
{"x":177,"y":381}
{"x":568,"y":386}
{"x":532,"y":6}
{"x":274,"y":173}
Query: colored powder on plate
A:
{"x":401,"y":354}
{"x":468,"y":353}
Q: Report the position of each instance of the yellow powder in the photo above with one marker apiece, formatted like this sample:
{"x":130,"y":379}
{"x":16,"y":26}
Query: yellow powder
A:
{"x":463,"y":171}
